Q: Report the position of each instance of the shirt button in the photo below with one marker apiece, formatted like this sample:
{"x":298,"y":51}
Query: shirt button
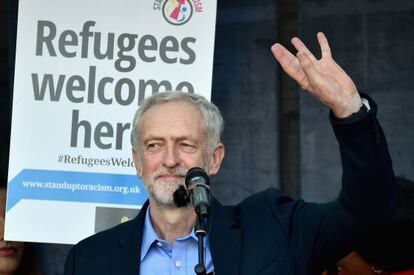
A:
{"x":159,"y":244}
{"x":178,"y":264}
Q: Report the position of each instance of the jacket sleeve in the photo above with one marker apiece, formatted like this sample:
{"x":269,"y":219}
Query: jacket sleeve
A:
{"x":368,"y":183}
{"x":325,"y":232}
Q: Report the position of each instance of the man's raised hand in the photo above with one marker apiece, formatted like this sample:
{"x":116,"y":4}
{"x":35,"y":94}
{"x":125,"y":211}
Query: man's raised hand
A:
{"x":323,"y":78}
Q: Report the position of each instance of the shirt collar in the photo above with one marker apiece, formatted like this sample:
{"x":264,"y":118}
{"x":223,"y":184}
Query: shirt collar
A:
{"x":149,"y":235}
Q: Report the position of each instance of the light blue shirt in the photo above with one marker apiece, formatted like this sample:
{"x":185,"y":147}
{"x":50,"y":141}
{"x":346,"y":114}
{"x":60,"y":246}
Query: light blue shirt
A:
{"x":158,"y":257}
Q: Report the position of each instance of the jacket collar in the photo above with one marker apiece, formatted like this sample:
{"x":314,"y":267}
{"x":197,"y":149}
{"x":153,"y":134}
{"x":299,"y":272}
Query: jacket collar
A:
{"x":128,"y":259}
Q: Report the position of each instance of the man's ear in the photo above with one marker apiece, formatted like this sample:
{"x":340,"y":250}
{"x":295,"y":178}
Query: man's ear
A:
{"x":137,"y":161}
{"x":216,"y":159}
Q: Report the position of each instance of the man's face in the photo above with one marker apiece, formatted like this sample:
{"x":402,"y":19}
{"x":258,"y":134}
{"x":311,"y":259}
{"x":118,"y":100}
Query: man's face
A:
{"x":173,"y":139}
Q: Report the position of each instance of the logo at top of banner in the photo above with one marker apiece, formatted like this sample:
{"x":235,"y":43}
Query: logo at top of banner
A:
{"x":178,"y":12}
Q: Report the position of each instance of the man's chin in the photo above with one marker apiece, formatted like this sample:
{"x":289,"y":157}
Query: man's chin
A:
{"x":173,"y":181}
{"x":164,"y":199}
{"x":162,"y":192}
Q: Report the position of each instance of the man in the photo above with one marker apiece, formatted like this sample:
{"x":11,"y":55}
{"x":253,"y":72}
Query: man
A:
{"x":267,"y":233}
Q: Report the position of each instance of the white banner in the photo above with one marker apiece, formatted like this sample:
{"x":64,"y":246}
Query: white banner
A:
{"x":82,"y":69}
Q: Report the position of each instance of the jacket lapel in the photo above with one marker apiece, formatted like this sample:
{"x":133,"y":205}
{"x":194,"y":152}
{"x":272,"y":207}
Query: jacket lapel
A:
{"x":225,"y":240}
{"x":128,"y":260}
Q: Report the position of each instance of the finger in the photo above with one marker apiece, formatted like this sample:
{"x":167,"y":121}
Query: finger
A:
{"x":289,"y":63}
{"x":283,"y":55}
{"x":313,"y":76}
{"x":324,"y":44}
{"x":300,"y":46}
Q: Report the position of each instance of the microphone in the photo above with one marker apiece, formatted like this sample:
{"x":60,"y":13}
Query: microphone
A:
{"x":198,"y":184}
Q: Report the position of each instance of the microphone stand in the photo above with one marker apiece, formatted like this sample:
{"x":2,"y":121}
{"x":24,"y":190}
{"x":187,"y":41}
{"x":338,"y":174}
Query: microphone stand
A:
{"x":197,"y":183}
{"x":200,"y":231}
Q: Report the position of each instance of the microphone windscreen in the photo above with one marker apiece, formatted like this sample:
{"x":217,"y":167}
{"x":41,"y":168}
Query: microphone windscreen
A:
{"x":181,"y":197}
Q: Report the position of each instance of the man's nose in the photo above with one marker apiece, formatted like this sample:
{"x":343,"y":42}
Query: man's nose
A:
{"x":172,"y":158}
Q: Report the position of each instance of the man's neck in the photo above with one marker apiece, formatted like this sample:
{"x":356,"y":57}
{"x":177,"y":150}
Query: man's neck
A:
{"x":172,"y":223}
